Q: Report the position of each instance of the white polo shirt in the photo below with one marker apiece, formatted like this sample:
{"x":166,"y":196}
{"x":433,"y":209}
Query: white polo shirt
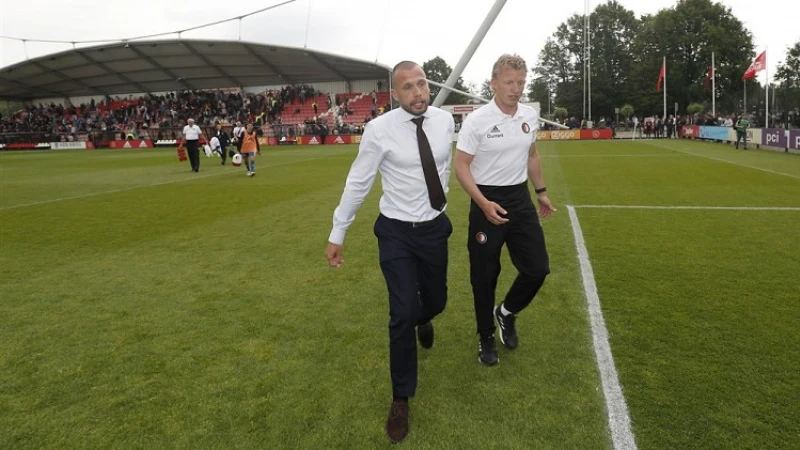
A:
{"x":500,"y":144}
{"x":389,"y":146}
{"x":192,"y":133}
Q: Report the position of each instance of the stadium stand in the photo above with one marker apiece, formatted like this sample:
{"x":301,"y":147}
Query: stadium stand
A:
{"x":161,"y":117}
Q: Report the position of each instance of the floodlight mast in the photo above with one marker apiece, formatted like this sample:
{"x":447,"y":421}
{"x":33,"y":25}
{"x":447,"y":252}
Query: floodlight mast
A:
{"x":470,"y":50}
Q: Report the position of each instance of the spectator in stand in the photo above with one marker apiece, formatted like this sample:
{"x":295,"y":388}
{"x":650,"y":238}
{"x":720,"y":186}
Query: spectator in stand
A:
{"x":164,"y":112}
{"x":728,"y":122}
{"x":670,"y":127}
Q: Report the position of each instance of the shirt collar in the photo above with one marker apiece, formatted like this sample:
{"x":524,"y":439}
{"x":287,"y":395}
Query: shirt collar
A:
{"x":405,"y":116}
{"x":496,"y":109}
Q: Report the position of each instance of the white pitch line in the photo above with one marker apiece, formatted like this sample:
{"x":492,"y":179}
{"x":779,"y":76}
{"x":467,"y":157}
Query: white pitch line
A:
{"x":702,"y":208}
{"x":672,"y":155}
{"x":730,"y":162}
{"x":619,"y":422}
{"x":114,"y":191}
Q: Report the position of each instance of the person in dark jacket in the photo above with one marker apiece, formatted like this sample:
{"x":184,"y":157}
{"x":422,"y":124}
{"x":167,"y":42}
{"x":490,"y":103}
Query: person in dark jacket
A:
{"x":224,"y":141}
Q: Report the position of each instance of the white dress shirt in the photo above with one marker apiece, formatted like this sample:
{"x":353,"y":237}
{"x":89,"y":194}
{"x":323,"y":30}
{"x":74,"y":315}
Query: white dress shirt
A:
{"x":389,"y":146}
{"x":192,"y":133}
{"x":500,"y":144}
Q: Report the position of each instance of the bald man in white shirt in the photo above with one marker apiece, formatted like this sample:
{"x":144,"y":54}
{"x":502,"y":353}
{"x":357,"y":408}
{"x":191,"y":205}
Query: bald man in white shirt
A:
{"x":411,"y":147}
{"x":192,"y":134}
{"x":496,"y":157}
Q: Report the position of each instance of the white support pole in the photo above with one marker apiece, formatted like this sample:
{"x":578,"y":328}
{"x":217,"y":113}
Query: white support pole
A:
{"x":449,"y":88}
{"x":713,"y":87}
{"x":470,"y":50}
{"x":585,"y":40}
{"x":391,"y":88}
{"x":744,"y":105}
{"x":766,"y":88}
{"x":589,"y":59}
{"x":665,"y":88}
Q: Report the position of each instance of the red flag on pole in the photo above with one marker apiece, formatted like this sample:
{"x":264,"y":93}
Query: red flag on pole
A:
{"x":709,"y":76}
{"x":661,"y":76}
{"x":759,"y":64}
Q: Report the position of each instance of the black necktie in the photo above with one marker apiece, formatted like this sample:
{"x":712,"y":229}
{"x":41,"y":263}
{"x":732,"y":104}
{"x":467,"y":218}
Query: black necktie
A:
{"x":435,"y":191}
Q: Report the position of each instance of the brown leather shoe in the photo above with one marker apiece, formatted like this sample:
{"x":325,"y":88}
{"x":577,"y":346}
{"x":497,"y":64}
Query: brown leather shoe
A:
{"x":397,"y":423}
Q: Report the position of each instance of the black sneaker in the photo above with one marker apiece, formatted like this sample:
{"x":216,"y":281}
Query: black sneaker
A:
{"x":487,"y":351}
{"x":425,"y":335}
{"x":508,"y":331}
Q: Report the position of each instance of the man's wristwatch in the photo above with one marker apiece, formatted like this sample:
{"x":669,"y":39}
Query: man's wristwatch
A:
{"x":541,"y":190}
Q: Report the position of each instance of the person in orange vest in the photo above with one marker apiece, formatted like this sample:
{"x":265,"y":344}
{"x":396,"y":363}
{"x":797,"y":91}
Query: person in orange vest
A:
{"x":249,"y":149}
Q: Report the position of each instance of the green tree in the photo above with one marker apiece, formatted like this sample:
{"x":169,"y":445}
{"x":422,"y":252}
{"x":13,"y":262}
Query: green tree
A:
{"x":627,"y":54}
{"x":538,"y":91}
{"x":626,"y":111}
{"x":695,"y":108}
{"x":613,"y":29}
{"x":789,"y":70}
{"x":687,"y":35}
{"x":787,"y":98}
{"x":561,"y":112}
{"x":486,"y":89}
{"x":437,"y":70}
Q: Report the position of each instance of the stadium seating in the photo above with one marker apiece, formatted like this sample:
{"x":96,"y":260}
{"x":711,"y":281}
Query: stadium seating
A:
{"x":306,"y":110}
{"x":361,"y":106}
{"x":167,"y":114}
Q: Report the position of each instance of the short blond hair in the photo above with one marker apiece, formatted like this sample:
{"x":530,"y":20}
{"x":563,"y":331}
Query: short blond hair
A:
{"x":507,"y":61}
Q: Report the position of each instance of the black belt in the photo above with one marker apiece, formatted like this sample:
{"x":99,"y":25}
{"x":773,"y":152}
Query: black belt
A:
{"x":416,"y":224}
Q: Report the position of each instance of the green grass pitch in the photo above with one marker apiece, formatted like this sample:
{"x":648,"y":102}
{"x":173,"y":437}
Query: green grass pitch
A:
{"x":143,"y":306}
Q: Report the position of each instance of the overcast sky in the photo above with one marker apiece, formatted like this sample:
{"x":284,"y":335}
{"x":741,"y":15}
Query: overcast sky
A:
{"x":386,"y":31}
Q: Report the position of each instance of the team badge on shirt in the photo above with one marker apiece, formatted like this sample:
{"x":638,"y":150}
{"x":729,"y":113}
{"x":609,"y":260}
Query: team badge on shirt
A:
{"x":481,"y":237}
{"x":526,"y":128}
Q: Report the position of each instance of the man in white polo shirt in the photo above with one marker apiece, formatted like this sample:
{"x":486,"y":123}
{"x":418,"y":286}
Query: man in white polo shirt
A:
{"x":192,"y":134}
{"x":496,"y":156}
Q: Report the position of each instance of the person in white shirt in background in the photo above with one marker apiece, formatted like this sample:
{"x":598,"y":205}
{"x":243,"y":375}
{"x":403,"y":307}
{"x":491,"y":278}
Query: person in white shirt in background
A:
{"x":238,"y":133}
{"x":411,"y":147}
{"x":728,"y":122}
{"x":191,"y":135}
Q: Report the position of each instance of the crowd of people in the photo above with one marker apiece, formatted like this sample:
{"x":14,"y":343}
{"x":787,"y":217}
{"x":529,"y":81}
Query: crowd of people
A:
{"x":151,"y":116}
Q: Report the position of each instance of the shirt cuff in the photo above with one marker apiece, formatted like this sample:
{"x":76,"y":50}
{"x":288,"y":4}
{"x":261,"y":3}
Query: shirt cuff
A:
{"x":337,"y":237}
